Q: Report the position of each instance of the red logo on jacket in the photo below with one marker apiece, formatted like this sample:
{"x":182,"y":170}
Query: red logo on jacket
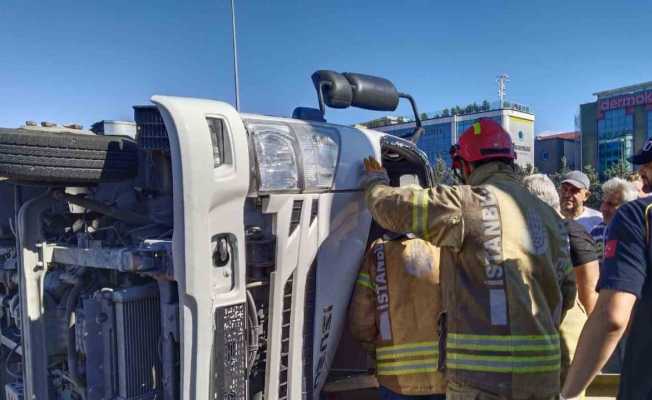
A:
{"x":610,"y":248}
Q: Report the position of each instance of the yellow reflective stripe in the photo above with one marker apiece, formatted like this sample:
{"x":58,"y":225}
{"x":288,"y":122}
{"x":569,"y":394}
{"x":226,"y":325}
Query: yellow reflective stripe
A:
{"x":553,"y":336}
{"x":511,"y":364}
{"x":416,"y":212}
{"x":426,"y":223}
{"x":365,"y":280}
{"x":509,"y":348}
{"x":512,"y":359}
{"x":389,"y":356}
{"x":404,"y":346}
{"x":410,"y":363}
{"x":545,"y":343}
{"x":411,"y":371}
{"x":407,"y":367}
{"x":522,"y":370}
{"x":407,"y":350}
{"x":420,"y":224}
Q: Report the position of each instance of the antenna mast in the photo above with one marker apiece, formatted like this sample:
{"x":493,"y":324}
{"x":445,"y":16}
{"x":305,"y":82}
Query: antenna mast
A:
{"x":235,"y":59}
{"x":502,"y":79}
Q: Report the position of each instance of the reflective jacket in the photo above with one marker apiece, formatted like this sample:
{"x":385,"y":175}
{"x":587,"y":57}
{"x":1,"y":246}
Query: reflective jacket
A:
{"x":394,"y":313}
{"x":506,"y":276}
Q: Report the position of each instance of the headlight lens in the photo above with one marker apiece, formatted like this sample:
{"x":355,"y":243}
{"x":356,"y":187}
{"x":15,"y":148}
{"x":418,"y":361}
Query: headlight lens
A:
{"x":277,"y":159}
{"x":319,"y":150}
{"x":296,"y":156}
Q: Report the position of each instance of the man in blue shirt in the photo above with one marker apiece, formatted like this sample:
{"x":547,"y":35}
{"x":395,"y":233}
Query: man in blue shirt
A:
{"x":623,"y":283}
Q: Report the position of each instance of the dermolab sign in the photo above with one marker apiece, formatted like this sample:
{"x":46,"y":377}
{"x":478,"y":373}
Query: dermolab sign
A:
{"x":628,"y":100}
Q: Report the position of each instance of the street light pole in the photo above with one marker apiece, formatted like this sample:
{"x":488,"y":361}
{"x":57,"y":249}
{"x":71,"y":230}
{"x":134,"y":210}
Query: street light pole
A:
{"x":235,"y":59}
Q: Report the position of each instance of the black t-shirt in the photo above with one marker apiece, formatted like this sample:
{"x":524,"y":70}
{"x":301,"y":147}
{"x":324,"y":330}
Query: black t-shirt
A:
{"x":582,"y":246}
{"x":625,"y":269}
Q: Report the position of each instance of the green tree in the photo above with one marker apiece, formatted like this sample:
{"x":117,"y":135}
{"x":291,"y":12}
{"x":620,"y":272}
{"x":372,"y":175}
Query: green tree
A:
{"x":621,"y":169}
{"x":424,"y":116}
{"x":522,"y":172}
{"x":563,"y":169}
{"x":442,"y":174}
{"x":595,"y":188}
{"x":445,"y":113}
{"x":439,"y":170}
{"x":485,"y":105}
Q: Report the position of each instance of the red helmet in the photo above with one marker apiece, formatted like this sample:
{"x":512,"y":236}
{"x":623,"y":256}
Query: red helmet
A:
{"x":484,"y":140}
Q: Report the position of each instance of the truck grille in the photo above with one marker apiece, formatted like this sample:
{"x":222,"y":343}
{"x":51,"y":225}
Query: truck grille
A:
{"x":285,"y":339}
{"x":295,"y":219}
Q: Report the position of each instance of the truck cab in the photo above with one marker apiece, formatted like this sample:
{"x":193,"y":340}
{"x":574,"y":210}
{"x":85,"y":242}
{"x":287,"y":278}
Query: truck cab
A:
{"x":211,"y":257}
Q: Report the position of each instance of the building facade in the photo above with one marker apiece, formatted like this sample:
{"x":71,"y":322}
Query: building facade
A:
{"x":442,"y":132}
{"x":549,"y":151}
{"x":616,"y":125}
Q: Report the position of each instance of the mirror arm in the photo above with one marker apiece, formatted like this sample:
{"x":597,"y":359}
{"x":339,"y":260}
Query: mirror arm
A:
{"x":320,"y":95}
{"x":418,"y":131}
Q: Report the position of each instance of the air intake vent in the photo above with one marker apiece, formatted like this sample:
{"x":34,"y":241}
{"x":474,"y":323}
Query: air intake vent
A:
{"x":296,"y":215}
{"x":314,"y":210}
{"x":307,"y":386}
{"x":285,"y":339}
{"x":150,"y":129}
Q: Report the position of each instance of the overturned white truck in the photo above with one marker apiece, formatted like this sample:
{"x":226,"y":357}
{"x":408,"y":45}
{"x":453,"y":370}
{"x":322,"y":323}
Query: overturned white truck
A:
{"x":212,"y":257}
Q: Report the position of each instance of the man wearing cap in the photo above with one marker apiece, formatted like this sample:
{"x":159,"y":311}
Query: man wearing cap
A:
{"x":574,"y":192}
{"x":624,"y":281}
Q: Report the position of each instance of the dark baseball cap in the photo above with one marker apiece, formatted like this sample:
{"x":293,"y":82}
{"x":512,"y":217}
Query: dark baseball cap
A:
{"x":644,"y":156}
{"x":577,"y":179}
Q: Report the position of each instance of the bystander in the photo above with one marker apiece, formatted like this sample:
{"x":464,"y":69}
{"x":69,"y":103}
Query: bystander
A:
{"x":624,"y":281}
{"x":573,"y":193}
{"x":615,"y":192}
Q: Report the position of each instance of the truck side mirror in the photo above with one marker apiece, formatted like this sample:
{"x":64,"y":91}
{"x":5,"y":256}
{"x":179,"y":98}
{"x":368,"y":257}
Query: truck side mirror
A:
{"x":372,"y":92}
{"x":333,"y":89}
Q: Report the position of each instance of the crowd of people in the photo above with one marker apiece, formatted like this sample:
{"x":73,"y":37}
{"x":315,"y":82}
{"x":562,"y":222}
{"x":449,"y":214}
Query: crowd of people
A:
{"x":506,"y":289}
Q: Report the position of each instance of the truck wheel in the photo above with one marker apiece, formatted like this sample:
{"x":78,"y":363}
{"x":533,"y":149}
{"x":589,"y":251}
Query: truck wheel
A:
{"x":28,"y":156}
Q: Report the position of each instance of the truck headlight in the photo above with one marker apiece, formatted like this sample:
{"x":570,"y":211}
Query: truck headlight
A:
{"x":276,"y":156}
{"x":294,"y":157}
{"x":319,"y":149}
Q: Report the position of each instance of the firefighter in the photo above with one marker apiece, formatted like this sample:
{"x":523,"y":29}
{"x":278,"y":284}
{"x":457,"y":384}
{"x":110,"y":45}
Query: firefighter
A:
{"x":505,"y":268}
{"x":394,"y":312}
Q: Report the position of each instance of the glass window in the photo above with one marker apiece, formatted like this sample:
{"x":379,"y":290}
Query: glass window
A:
{"x":464,"y":125}
{"x":545,"y":156}
{"x":615,"y":138}
{"x":436,"y":142}
{"x":649,"y":124}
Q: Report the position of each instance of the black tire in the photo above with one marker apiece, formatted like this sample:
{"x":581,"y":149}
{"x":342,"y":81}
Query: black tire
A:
{"x":51,"y":158}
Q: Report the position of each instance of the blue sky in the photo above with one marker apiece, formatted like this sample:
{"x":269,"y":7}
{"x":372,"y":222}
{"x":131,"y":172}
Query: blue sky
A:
{"x":82,"y":61}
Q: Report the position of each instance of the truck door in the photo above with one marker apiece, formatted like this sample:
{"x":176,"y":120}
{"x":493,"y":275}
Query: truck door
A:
{"x":210,"y":170}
